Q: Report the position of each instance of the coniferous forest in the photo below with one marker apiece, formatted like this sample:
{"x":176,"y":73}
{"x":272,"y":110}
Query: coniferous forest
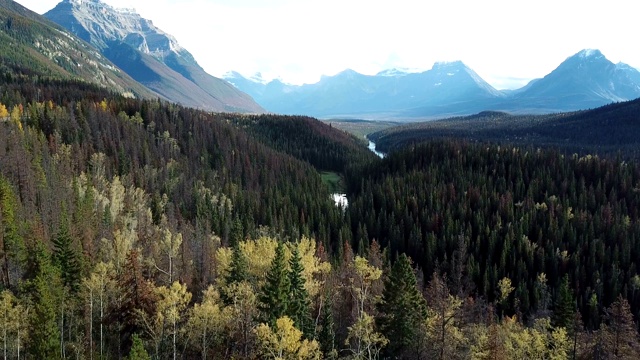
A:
{"x":139,"y":229}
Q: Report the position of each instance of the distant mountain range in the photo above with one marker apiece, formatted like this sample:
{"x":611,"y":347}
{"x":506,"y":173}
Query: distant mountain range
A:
{"x":149,"y":55}
{"x":585,"y":80}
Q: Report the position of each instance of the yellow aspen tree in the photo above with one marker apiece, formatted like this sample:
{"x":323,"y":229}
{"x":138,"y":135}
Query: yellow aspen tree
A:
{"x":171,"y":307}
{"x":365,"y":342}
{"x":207,"y":321}
{"x":16,"y":116}
{"x":243,"y":304}
{"x":4,"y":113}
{"x":284,"y":342}
{"x":170,"y":247}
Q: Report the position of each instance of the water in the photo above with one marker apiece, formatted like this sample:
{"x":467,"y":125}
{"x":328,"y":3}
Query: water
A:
{"x":341,"y":200}
{"x":372,"y":147}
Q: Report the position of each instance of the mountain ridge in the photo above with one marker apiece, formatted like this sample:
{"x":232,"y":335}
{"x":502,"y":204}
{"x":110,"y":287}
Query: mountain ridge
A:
{"x":33,"y":45}
{"x":178,"y":76}
{"x":584,"y":80}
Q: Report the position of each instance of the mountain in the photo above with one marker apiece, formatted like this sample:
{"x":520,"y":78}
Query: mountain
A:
{"x":31,"y":45}
{"x":149,"y":55}
{"x":585,"y":80}
{"x":350,"y":94}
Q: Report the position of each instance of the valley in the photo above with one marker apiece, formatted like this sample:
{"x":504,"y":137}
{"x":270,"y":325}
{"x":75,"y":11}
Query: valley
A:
{"x":149,"y":210}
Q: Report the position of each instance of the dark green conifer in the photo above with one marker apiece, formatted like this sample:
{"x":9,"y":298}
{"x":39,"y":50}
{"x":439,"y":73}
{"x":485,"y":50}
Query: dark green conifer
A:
{"x":138,"y":352}
{"x":274,"y":297}
{"x":65,"y":257}
{"x":238,"y":271}
{"x":299,"y":304}
{"x":564,"y":310}
{"x":44,"y":289}
{"x":403,"y":308}
{"x":327,"y":335}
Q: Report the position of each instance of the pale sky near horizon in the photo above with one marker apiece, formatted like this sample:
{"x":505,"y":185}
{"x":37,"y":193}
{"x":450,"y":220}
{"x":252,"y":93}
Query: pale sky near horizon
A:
{"x":507,"y":42}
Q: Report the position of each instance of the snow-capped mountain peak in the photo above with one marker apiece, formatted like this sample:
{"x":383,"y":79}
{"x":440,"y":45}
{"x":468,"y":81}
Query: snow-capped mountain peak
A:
{"x":394,"y":72}
{"x":590,"y":53}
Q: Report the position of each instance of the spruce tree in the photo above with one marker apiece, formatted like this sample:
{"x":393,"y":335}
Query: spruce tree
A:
{"x":564,"y":308}
{"x":327,"y":335}
{"x":299,"y":303}
{"x":65,"y":257}
{"x":44,"y":288}
{"x":138,"y":352}
{"x":239,"y":267}
{"x":403,"y":308}
{"x":274,"y":297}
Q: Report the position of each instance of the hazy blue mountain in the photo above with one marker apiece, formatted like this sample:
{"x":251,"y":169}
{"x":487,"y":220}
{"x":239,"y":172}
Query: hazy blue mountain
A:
{"x":351,"y":94}
{"x":149,"y":55}
{"x":585,"y":80}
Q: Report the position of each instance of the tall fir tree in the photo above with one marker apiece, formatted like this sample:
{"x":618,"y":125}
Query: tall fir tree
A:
{"x":138,"y":352}
{"x":45,"y":291}
{"x":299,"y":305}
{"x":403,"y":308}
{"x":239,"y":267}
{"x":327,"y":335}
{"x":65,"y":257}
{"x":12,"y":243}
{"x":274,"y":297}
{"x":564,"y":309}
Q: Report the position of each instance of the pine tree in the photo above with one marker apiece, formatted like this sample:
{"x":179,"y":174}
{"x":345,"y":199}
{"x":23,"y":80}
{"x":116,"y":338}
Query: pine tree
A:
{"x":239,"y":267}
{"x":403,"y":309}
{"x":65,"y":257}
{"x":274,"y":297}
{"x":299,"y":305}
{"x":44,"y":342}
{"x":327,"y":335}
{"x":138,"y":351}
{"x":12,"y":242}
{"x":564,"y":309}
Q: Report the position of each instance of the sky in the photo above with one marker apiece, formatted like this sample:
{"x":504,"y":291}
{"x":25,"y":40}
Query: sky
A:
{"x":507,"y":42}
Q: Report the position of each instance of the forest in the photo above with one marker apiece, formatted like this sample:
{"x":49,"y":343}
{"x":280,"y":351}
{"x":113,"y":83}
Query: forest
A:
{"x":140,"y":229}
{"x":608,"y":131}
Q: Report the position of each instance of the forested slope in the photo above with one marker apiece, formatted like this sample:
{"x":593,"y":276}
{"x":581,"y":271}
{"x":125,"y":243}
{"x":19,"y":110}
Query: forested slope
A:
{"x":132,"y":226}
{"x":609,"y":130}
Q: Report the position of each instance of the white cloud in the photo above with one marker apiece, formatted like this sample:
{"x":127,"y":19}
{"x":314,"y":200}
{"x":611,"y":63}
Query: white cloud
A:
{"x":299,"y":40}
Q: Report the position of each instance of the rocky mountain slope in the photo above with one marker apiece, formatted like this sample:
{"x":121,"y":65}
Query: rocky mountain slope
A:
{"x":149,"y":55}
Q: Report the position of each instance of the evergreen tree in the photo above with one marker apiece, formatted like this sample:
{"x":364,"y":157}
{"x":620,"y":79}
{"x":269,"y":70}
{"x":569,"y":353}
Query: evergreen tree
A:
{"x":12,"y":242}
{"x":403,"y":308}
{"x":44,"y":342}
{"x":65,"y":257}
{"x":299,"y":305}
{"x":327,"y":335}
{"x":274,"y":297}
{"x":564,"y":309}
{"x":239,"y":267}
{"x":138,"y":351}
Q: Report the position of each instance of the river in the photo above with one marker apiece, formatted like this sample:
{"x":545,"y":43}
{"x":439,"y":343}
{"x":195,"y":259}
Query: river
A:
{"x":372,"y":147}
{"x":341,"y":199}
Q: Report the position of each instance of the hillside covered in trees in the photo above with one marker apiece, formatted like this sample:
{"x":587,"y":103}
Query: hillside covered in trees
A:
{"x":607,"y":131}
{"x":141,"y":229}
